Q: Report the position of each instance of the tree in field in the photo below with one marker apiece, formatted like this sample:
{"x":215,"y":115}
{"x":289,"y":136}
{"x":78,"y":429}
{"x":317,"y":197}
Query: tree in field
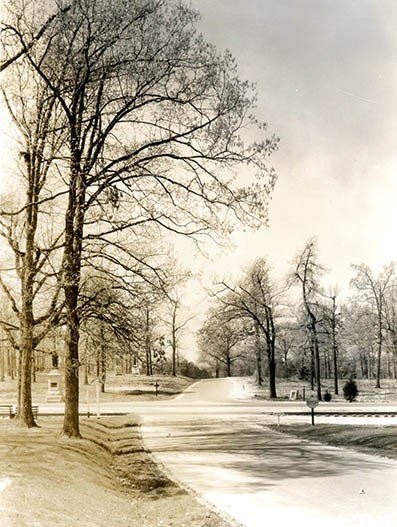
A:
{"x":373,"y":292}
{"x":289,"y":343}
{"x":154,"y":118}
{"x":35,"y":247}
{"x":306,"y":274}
{"x":255,"y":300}
{"x":359,"y":337}
{"x":219,"y":340}
{"x":333,"y":320}
{"x":390,"y":320}
{"x":174,"y":319}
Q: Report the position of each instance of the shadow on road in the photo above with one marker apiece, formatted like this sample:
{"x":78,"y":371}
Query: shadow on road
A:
{"x":251,"y":452}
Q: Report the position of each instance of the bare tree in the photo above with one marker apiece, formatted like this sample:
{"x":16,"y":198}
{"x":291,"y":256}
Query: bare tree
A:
{"x":218,"y":339}
{"x":372,"y":290}
{"x":9,"y":35}
{"x":306,"y":273}
{"x":31,"y":243}
{"x":256,"y":299}
{"x":153,"y":113}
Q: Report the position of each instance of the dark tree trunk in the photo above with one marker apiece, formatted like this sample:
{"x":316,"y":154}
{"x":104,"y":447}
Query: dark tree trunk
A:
{"x":258,"y":354}
{"x":149,"y":367}
{"x":2,"y":366}
{"x":271,"y":343}
{"x":25,"y":414}
{"x":379,"y":359}
{"x":334,"y":347}
{"x":74,"y":221}
{"x":71,"y":419}
{"x":272,"y":377}
{"x":317,"y":364}
{"x":228,"y":364}
{"x":174,"y":346}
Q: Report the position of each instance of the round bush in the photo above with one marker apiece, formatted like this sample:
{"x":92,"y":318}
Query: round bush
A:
{"x":350,"y":390}
{"x":327,"y":396}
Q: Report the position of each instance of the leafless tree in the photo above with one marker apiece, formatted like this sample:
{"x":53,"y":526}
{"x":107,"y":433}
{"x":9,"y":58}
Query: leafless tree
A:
{"x":154,"y":119}
{"x":219,"y":339}
{"x":306,"y":274}
{"x":32,"y":243}
{"x":373,"y":290}
{"x":256,"y":300}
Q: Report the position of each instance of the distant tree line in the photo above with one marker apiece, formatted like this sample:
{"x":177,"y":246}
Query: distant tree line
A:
{"x":297,"y":329}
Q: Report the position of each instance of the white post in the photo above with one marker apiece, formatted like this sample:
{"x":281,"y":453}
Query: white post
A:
{"x":88,"y":402}
{"x":98,"y":408}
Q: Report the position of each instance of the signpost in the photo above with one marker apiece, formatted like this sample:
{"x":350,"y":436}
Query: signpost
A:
{"x":312,"y":402}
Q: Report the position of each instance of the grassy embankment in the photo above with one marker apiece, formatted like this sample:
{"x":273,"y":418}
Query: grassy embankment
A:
{"x":106,"y":478}
{"x":373,"y":439}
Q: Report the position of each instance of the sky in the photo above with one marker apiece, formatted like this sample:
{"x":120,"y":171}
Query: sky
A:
{"x":326,"y":75}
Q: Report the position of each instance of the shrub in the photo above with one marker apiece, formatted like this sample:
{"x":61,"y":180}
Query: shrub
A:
{"x":350,"y":390}
{"x":327,"y":396}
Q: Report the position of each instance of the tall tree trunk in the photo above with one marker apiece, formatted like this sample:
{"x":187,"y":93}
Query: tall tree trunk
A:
{"x":102,"y":360}
{"x":334,"y":347}
{"x":74,"y":221}
{"x":2,"y":365}
{"x":173,"y":336}
{"x":316,"y":352}
{"x":228,"y":363}
{"x":272,"y":374}
{"x":25,"y":414}
{"x":258,"y":355}
{"x":72,"y":333}
{"x":379,"y":358}
{"x":149,"y":367}
{"x":271,"y":343}
{"x":312,"y":374}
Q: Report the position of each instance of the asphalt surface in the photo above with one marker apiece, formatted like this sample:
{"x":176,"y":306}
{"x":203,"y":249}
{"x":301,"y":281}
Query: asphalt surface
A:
{"x":214,"y":440}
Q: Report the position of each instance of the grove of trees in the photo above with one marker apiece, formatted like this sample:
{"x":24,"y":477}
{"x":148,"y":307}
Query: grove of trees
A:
{"x":303,"y":330}
{"x":131,"y":129}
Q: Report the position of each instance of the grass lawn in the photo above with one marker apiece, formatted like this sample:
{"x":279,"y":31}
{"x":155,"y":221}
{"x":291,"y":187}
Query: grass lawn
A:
{"x":106,"y":479}
{"x":117,"y":388}
{"x":376,"y":440}
{"x":367,"y":391}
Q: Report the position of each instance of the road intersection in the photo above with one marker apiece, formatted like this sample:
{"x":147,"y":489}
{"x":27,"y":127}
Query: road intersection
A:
{"x":214,"y":439}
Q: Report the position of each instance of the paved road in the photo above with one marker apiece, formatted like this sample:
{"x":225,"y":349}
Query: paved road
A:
{"x":219,"y":446}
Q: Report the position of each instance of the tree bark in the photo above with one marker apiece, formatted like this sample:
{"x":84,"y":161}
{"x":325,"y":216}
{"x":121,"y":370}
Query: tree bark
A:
{"x":258,"y":354}
{"x":25,"y":414}
{"x":174,"y":340}
{"x":74,"y":221}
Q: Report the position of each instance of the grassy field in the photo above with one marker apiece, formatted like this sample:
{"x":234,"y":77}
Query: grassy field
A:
{"x":117,"y":388}
{"x":106,"y":479}
{"x":367,"y":390}
{"x":376,"y":440}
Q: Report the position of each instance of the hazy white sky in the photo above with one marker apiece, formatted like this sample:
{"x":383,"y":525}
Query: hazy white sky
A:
{"x":326,"y":72}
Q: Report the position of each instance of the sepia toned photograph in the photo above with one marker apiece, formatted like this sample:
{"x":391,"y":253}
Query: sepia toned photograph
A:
{"x":198,"y":263}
